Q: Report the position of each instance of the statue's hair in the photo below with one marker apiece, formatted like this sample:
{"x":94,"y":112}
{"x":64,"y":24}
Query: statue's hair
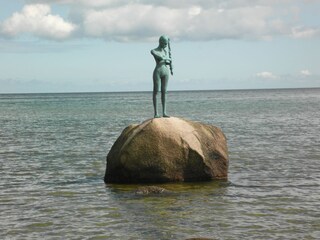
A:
{"x":163,"y":37}
{"x":169,"y":48}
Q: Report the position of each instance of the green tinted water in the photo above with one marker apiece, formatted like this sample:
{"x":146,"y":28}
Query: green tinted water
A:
{"x":52,"y":163}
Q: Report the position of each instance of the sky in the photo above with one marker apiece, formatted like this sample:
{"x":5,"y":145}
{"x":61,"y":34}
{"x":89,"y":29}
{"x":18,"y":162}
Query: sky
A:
{"x":104,"y":45}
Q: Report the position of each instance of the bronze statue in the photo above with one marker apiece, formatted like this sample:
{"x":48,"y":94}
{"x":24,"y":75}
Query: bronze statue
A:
{"x":162,"y":56}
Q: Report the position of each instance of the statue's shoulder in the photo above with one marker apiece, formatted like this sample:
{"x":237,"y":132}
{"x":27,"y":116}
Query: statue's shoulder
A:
{"x":153,"y":51}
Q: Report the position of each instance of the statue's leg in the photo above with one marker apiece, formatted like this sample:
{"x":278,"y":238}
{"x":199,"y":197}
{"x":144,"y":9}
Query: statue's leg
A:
{"x":164,"y":83}
{"x":156,"y":87}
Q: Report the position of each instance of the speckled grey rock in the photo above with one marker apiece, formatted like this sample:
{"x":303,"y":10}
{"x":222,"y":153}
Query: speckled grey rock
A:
{"x":168,"y":150}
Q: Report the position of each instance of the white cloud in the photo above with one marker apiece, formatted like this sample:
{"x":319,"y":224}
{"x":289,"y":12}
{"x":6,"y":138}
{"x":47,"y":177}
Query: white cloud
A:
{"x":266,"y":75}
{"x":130,"y":20}
{"x":37,"y":20}
{"x":304,"y":32}
{"x":136,"y":21}
{"x":305,"y":73}
{"x":169,"y":3}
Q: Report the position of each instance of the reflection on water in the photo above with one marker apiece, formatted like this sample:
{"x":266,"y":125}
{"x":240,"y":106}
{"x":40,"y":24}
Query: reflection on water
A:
{"x":52,"y":163}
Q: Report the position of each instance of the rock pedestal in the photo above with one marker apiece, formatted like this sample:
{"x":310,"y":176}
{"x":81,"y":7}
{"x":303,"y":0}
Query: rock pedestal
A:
{"x":168,"y":150}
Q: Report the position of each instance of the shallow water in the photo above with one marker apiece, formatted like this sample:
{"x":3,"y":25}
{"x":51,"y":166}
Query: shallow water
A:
{"x":52,"y":163}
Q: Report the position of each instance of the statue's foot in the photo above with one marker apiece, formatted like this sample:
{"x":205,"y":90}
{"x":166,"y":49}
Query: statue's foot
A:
{"x":156,"y":116}
{"x":165,"y":115}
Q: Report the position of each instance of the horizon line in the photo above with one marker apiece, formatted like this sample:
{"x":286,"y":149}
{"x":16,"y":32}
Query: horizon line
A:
{"x":150,"y":91}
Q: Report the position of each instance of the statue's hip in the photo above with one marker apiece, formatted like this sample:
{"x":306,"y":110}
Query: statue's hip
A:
{"x":161,"y":71}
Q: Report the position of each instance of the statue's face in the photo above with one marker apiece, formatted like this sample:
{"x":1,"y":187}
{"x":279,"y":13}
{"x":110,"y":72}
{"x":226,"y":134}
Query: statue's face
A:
{"x":163,"y":43}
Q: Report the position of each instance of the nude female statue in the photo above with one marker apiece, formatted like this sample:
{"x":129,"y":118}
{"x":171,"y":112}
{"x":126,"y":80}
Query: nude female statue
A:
{"x":161,"y":73}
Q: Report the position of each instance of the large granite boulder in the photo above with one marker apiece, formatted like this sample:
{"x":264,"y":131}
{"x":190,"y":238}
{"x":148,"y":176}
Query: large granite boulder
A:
{"x":166,"y":150}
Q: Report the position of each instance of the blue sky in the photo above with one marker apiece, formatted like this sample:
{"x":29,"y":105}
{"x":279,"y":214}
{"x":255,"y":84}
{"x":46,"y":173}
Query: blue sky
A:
{"x":104,"y":45}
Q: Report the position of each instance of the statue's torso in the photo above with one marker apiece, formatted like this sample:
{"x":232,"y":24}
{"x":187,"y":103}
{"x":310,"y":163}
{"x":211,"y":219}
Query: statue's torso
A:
{"x":161,"y":67}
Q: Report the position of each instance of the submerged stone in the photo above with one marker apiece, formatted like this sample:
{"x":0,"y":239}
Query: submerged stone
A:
{"x":145,"y":190}
{"x":168,"y":150}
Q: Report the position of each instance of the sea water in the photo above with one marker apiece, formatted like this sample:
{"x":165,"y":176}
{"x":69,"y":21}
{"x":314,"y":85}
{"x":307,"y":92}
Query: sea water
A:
{"x":53,"y":158}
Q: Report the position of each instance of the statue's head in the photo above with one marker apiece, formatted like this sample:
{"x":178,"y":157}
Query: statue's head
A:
{"x":163,"y":41}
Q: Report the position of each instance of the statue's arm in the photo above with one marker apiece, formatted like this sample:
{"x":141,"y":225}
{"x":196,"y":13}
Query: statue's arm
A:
{"x":156,"y":55}
{"x":160,"y":58}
